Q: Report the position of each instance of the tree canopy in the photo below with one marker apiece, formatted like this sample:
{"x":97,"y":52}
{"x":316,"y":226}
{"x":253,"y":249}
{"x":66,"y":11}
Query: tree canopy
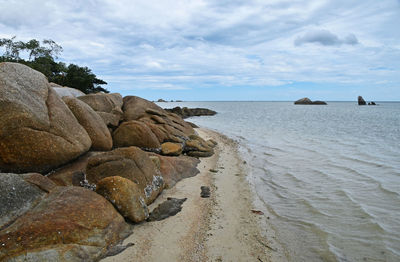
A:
{"x":41,"y":57}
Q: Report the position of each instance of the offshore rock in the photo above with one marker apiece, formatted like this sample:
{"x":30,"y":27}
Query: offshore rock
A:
{"x":135,"y":133}
{"x":38,"y":132}
{"x":361,"y":101}
{"x":130,"y":163}
{"x":70,"y":224}
{"x":307,"y":101}
{"x":92,"y":122}
{"x":185,"y":112}
{"x":126,"y":197}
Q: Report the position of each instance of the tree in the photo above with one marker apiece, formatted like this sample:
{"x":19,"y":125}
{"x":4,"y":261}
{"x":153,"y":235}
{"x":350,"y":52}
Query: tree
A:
{"x":43,"y":61}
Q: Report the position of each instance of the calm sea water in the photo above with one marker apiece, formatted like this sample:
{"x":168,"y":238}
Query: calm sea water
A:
{"x":329,"y":175}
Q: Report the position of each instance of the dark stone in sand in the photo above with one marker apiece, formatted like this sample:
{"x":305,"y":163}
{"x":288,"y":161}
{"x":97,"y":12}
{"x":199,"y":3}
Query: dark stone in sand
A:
{"x":361,"y":101}
{"x":205,"y":191}
{"x":168,"y":208}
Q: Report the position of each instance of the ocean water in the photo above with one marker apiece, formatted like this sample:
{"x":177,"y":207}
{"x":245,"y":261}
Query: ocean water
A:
{"x":328,"y":175}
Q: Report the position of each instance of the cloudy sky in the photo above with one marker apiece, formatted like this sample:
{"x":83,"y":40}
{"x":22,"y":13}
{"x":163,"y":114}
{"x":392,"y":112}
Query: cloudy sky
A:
{"x":223,"y":50}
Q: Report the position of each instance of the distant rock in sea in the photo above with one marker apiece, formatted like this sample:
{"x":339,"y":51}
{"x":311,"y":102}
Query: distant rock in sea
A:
{"x":161,"y":100}
{"x":361,"y":101}
{"x":307,"y":101}
{"x":372,"y":103}
{"x":185,"y":112}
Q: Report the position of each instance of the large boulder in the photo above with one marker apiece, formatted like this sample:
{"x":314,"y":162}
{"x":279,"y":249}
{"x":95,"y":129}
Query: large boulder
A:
{"x":165,"y":125}
{"x":125,"y":195}
{"x":70,"y":224}
{"x":174,"y":169}
{"x":135,"y":133}
{"x":135,"y":107}
{"x":38,"y":132}
{"x":108,"y":106}
{"x":130,"y":163}
{"x":92,"y":122}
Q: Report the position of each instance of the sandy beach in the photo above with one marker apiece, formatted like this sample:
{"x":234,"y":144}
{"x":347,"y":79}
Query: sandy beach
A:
{"x":219,"y":228}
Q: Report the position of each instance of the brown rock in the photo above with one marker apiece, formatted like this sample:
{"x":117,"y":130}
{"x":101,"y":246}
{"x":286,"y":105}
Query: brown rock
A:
{"x":43,"y":182}
{"x":135,"y":133}
{"x":108,"y":106}
{"x":70,"y":224}
{"x":130,"y":163}
{"x":198,"y":147}
{"x":73,"y":173}
{"x":135,"y":107}
{"x":125,"y":195}
{"x":37,"y":130}
{"x":171,"y":149}
{"x":174,"y":169}
{"x":92,"y":122}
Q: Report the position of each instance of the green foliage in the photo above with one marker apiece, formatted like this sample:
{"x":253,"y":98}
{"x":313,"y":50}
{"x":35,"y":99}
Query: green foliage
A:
{"x":41,"y":58}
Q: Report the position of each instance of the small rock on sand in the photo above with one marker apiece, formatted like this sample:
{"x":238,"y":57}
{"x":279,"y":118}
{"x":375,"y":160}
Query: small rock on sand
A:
{"x":168,"y":208}
{"x":205,"y":191}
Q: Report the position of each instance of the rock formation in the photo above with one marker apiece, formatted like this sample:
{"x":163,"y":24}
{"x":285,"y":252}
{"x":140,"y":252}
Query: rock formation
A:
{"x":189,"y":112}
{"x":307,"y":101}
{"x":76,"y":211}
{"x":38,"y":132}
{"x":361,"y":101}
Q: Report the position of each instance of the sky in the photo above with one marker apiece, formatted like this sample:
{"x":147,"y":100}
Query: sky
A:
{"x":204,"y":50}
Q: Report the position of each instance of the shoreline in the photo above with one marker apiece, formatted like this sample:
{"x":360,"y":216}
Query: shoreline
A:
{"x":219,"y":228}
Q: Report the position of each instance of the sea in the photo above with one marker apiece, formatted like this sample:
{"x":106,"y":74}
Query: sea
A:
{"x":328,"y":175}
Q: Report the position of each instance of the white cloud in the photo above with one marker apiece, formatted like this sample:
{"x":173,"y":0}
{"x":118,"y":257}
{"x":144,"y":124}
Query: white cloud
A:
{"x":232,"y":43}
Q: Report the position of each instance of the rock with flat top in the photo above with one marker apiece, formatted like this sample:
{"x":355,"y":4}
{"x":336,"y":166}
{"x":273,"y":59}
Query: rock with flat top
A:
{"x":38,"y":132}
